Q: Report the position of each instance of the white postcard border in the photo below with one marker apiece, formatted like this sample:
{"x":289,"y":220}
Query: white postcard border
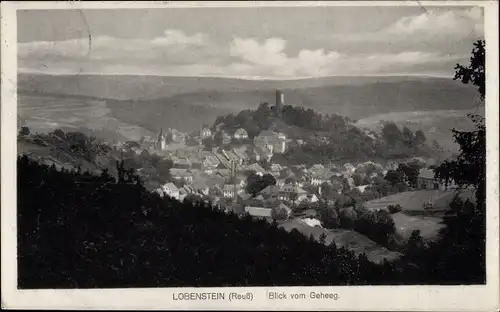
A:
{"x":409,"y":298}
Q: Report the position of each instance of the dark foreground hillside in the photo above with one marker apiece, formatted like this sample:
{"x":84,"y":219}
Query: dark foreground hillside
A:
{"x":77,"y":230}
{"x":83,"y":231}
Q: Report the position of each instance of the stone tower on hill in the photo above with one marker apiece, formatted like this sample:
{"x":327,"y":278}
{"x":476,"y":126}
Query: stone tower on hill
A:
{"x":280,"y":102}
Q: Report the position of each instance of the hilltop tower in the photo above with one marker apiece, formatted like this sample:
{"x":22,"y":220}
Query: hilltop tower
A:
{"x":280,"y":102}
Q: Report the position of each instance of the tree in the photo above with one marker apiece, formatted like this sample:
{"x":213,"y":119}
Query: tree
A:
{"x":59,"y":133}
{"x":411,"y":171}
{"x":391,"y":133}
{"x":163,"y":168}
{"x":329,"y":218}
{"x":358,"y":179}
{"x":394,"y":177}
{"x":463,"y":244}
{"x":256,"y":183}
{"x":474,"y":73}
{"x":394,"y":208}
{"x":327,"y":191}
{"x":279,"y":213}
{"x":415,"y":245}
{"x":24,"y":131}
{"x":419,"y":138}
{"x":408,"y":136}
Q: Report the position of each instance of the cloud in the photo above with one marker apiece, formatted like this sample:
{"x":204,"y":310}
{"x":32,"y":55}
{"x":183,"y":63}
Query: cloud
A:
{"x":457,"y":23}
{"x":177,"y":37}
{"x":269,"y":58}
{"x":431,"y":25}
{"x":181,"y":54}
{"x":175,"y":46}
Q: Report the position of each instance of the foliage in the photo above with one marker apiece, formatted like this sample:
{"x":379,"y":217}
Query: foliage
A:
{"x":394,"y":208}
{"x":394,"y":177}
{"x":378,"y":226}
{"x":279,"y":213}
{"x":24,"y":131}
{"x":327,"y":137}
{"x":256,"y":183}
{"x":460,"y":254}
{"x":411,"y":171}
{"x":113,"y":233}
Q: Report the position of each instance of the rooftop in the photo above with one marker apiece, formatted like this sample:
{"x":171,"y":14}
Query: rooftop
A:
{"x":258,"y":211}
{"x":426,"y":174}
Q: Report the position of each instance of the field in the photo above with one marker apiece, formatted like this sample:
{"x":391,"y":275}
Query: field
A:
{"x":413,"y":215}
{"x":349,"y":239}
{"x":429,"y":227}
{"x":46,"y":113}
{"x":413,"y":200}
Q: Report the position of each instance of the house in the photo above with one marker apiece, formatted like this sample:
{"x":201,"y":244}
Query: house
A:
{"x":205,"y":133}
{"x":184,"y":163}
{"x":258,"y":212}
{"x":241,"y":134}
{"x":285,"y":208}
{"x":210,"y":163}
{"x":242,"y":153}
{"x":362,"y":188}
{"x":310,"y":213}
{"x":179,"y":174}
{"x":262,"y":152}
{"x":312,"y":222}
{"x":223,"y":138}
{"x":270,"y":191}
{"x":287,"y":190}
{"x":171,"y":190}
{"x":200,"y":186}
{"x":312,"y":198}
{"x":243,"y":195}
{"x":255,"y":167}
{"x":349,"y":168}
{"x":216,"y":190}
{"x":276,"y":168}
{"x":319,"y":176}
{"x":223,"y":173}
{"x":228,"y":191}
{"x":274,"y":142}
{"x":232,"y":157}
{"x":280,"y":182}
{"x":426,"y":180}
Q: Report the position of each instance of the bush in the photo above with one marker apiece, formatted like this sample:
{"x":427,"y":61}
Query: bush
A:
{"x":394,"y":208}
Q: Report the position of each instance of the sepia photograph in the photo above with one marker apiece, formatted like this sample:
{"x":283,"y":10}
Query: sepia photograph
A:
{"x":251,"y":153}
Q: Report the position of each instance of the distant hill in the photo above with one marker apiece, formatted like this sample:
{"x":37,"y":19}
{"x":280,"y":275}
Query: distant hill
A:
{"x":185,"y":103}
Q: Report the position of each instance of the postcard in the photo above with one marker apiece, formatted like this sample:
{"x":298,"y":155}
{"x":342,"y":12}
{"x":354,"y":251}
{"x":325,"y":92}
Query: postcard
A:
{"x":248,"y":155}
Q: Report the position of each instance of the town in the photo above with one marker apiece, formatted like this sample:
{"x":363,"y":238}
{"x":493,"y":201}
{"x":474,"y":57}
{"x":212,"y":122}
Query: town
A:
{"x":236,"y":173}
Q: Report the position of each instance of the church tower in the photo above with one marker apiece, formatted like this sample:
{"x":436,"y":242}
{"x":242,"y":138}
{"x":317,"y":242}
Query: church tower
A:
{"x":161,"y":142}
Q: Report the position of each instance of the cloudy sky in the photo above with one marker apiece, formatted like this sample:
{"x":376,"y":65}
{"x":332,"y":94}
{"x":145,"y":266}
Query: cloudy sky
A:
{"x":279,"y":43}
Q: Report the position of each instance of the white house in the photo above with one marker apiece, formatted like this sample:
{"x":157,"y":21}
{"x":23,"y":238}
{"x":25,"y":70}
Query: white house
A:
{"x":171,"y":190}
{"x":240,"y":134}
{"x":288,"y":189}
{"x":312,"y":222}
{"x":178,"y":174}
{"x":274,"y":142}
{"x":426,"y":180}
{"x":228,"y":191}
{"x":205,"y":133}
